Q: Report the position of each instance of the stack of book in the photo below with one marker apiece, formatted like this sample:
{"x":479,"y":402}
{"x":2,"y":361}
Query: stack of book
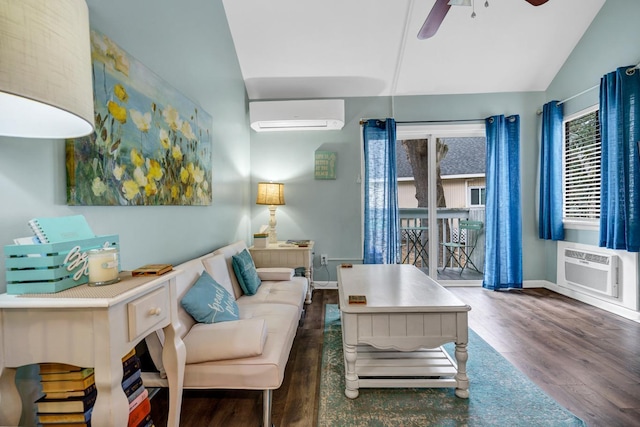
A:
{"x":69,"y":395}
{"x":137,"y":394}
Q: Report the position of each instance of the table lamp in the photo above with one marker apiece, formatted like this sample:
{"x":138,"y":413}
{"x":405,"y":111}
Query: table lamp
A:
{"x":46,"y":88}
{"x":272,"y":194}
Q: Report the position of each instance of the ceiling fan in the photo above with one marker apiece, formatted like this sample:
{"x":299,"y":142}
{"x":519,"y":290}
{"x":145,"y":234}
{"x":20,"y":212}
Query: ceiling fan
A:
{"x":440,"y":9}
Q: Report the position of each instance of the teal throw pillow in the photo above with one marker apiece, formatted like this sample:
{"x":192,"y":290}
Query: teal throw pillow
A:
{"x":246,"y":272}
{"x":208,"y":302}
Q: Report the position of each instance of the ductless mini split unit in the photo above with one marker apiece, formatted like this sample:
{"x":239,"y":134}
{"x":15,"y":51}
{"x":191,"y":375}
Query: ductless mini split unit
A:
{"x":319,"y":114}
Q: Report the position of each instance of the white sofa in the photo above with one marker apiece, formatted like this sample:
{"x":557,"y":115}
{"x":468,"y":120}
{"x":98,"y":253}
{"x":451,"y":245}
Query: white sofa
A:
{"x":250,"y":353}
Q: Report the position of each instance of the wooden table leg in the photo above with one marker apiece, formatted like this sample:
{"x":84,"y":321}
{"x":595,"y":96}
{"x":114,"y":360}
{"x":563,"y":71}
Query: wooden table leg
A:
{"x":10,"y":401}
{"x":173,"y":359}
{"x":350,"y":357}
{"x":462,"y":389}
{"x":309,"y":274}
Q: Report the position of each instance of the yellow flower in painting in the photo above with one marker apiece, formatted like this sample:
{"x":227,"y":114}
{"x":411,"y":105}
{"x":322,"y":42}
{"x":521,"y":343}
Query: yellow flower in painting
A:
{"x":121,"y":92}
{"x":140,"y":177}
{"x":98,"y":187}
{"x":197,"y":174}
{"x":118,"y":171}
{"x":172,"y":117}
{"x":176,"y":152}
{"x":186,"y":130}
{"x":142,"y":121}
{"x":130,"y":189}
{"x":184,"y":175}
{"x":155,"y":170}
{"x":175,"y":191}
{"x":119,"y":113}
{"x":136,"y":158}
{"x":189,"y":192}
{"x":150,"y":189}
{"x":164,"y":138}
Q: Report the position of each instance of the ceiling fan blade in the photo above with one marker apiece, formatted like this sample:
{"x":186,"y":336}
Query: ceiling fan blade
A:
{"x":536,"y":2}
{"x":435,"y":18}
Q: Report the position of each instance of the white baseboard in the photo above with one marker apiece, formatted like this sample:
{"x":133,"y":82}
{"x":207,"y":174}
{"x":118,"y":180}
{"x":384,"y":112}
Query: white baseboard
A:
{"x":596,"y":302}
{"x":587,"y":299}
{"x":478,"y":283}
{"x":536,"y":284}
{"x":325,"y":285}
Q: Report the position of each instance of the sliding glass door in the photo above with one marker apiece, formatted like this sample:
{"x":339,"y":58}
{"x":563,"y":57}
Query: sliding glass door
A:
{"x":441,"y":193}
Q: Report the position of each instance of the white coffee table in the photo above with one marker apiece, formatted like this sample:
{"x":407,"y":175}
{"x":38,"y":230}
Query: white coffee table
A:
{"x":395,"y":339}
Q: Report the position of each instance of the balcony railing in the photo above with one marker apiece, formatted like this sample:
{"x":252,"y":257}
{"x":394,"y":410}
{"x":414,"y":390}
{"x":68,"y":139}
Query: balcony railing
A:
{"x":414,"y":230}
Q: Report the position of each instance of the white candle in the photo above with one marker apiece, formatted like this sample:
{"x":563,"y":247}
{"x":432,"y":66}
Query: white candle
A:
{"x":103,"y":266}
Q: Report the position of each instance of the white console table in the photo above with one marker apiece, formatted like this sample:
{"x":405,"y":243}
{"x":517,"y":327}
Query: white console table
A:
{"x":91,"y":327}
{"x":282,"y":254}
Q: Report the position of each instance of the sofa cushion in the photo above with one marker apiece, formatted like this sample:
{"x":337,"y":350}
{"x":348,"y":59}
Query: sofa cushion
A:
{"x":208,"y":302}
{"x":246,"y":272}
{"x":252,"y":373}
{"x":229,"y":251}
{"x":275,"y":273}
{"x":292,"y":292}
{"x":227,"y":340}
{"x":216,"y":266}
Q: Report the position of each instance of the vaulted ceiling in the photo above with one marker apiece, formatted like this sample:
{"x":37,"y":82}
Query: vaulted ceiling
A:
{"x":296,"y":49}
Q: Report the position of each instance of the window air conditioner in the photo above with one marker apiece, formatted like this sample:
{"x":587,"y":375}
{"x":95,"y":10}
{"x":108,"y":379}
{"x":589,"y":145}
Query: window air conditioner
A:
{"x":320,"y":114}
{"x":596,"y":272}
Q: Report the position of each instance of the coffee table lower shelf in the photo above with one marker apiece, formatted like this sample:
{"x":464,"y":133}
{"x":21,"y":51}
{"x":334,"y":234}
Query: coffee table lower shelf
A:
{"x":379,"y":368}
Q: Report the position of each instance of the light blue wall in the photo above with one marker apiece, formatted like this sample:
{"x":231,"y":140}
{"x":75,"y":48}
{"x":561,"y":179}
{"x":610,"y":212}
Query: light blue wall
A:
{"x":610,"y":42}
{"x":189,"y":45}
{"x":329,"y":212}
{"x":326,"y":211}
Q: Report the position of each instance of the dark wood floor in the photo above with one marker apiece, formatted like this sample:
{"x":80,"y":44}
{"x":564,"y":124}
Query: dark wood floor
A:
{"x":585,"y":358}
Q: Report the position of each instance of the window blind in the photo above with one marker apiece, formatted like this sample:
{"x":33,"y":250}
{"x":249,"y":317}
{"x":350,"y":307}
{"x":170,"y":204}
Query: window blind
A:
{"x":582,"y":152}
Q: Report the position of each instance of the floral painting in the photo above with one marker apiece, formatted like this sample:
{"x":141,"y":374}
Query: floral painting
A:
{"x":151,"y":146}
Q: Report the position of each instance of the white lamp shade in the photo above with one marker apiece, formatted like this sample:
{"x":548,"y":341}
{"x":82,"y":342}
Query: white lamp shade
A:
{"x":46,"y":88}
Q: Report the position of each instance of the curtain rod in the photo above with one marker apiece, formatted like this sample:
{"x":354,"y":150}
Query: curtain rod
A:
{"x":363,"y":121}
{"x":578,"y":94}
{"x":581,"y":93}
{"x":440,"y":121}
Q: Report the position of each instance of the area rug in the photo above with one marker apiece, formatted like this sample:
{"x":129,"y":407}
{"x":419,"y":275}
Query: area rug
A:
{"x":500,"y":395}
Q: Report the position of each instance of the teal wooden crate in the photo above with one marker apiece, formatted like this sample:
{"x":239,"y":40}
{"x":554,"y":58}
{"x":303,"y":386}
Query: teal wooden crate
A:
{"x":32,"y":269}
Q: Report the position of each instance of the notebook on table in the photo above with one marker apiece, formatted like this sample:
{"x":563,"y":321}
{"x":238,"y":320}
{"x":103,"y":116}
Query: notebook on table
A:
{"x":61,"y":229}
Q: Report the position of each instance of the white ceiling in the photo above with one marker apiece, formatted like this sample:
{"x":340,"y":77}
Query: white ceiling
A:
{"x":296,"y":49}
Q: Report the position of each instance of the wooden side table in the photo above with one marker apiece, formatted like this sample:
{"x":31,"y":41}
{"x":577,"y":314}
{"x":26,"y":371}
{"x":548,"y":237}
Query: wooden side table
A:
{"x":282,"y":254}
{"x":91,"y":327}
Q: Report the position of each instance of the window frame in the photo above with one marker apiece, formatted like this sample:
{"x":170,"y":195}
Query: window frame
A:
{"x":482,"y":189}
{"x":574,"y":223}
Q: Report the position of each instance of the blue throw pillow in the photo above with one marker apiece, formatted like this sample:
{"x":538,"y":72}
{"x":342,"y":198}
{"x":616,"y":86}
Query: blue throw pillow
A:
{"x":208,"y":302}
{"x":246,"y":272}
